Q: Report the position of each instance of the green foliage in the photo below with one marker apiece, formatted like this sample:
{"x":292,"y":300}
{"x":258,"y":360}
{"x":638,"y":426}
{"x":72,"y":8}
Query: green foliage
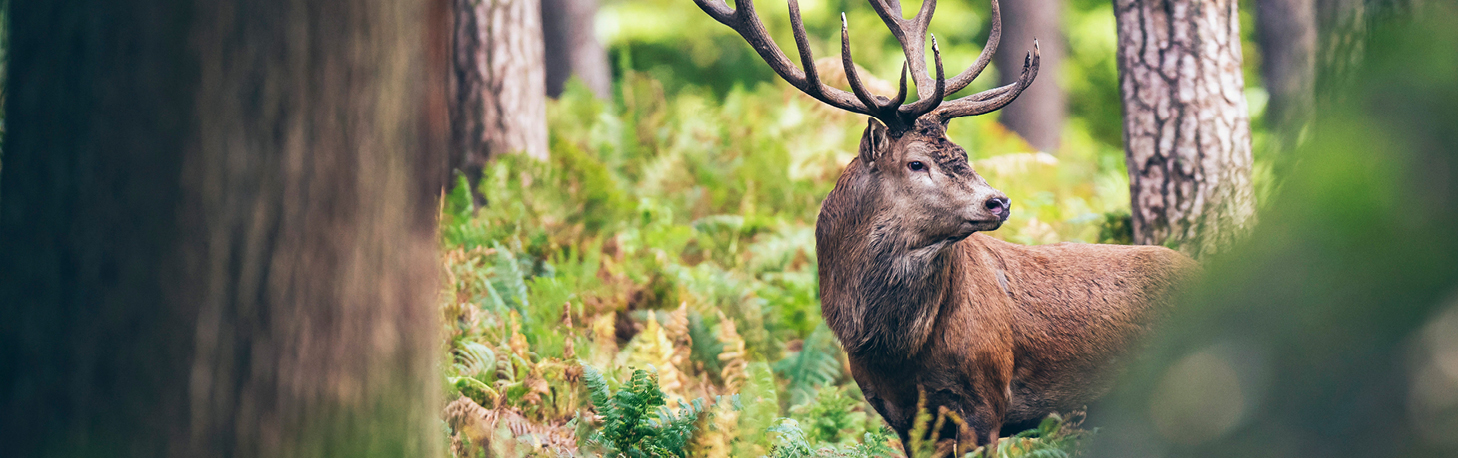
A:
{"x":792,"y":442}
{"x":635,"y":421}
{"x":1117,"y":227}
{"x":832,"y":417}
{"x":761,"y":407}
{"x":816,"y":364}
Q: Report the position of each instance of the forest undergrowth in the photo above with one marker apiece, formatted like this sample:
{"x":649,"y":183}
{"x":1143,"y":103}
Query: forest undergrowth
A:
{"x":651,"y":290}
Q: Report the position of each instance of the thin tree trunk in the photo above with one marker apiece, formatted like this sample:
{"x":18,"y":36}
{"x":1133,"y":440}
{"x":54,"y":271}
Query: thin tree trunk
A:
{"x":498,"y":97}
{"x":217,"y":236}
{"x":572,"y":47}
{"x":1039,"y":112}
{"x":1287,"y":32}
{"x":1186,"y":129}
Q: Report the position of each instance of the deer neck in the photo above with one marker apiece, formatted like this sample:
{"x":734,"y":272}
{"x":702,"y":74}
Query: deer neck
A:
{"x":880,"y":291}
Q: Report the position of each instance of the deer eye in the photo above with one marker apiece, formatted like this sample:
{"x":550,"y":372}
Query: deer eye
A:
{"x":916,"y":166}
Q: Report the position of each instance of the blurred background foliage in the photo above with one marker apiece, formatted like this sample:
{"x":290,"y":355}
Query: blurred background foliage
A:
{"x":672,"y":229}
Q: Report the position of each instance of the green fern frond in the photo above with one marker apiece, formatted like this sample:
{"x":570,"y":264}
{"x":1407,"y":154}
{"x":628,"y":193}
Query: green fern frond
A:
{"x":474,"y":359}
{"x":816,"y":364}
{"x":790,"y":440}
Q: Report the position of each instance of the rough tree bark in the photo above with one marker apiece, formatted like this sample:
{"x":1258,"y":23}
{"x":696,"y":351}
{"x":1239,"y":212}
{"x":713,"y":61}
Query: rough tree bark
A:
{"x":217,"y":236}
{"x":498,"y":94}
{"x":572,"y":47}
{"x":1039,"y":112}
{"x":1287,"y":33}
{"x":1186,"y":128}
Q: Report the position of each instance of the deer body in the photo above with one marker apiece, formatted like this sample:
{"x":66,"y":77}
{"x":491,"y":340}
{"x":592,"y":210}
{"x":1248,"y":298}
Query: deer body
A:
{"x":1000,"y":334}
{"x":997,"y":332}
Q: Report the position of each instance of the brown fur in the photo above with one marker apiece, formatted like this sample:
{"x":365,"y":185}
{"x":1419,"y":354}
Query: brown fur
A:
{"x":1002,"y":334}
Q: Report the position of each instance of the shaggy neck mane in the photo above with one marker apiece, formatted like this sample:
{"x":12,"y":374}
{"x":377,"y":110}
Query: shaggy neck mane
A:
{"x":880,"y":294}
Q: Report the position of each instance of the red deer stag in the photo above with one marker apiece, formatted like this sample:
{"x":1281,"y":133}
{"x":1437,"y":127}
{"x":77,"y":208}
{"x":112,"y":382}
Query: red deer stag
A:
{"x":1001,"y":334}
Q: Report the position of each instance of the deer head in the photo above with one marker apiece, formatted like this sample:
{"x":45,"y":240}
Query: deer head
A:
{"x":907,"y":166}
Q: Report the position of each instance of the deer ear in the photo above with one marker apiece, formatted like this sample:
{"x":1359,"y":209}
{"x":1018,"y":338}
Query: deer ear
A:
{"x":874,"y":142}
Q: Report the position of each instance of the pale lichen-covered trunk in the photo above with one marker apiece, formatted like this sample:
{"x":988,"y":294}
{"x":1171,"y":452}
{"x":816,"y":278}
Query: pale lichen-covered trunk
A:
{"x":1186,"y":128}
{"x":217,"y":236}
{"x":498,"y":91}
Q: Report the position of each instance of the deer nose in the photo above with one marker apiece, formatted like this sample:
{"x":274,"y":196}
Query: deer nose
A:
{"x":998,"y":206}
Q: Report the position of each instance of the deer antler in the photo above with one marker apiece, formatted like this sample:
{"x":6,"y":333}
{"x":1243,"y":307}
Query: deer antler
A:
{"x":747,"y":23}
{"x":912,"y":34}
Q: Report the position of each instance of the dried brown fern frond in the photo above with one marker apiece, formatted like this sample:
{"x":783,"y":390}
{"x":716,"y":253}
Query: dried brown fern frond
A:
{"x":732,"y":356}
{"x":504,"y":432}
{"x":603,"y":329}
{"x":677,"y":328}
{"x":653,"y":348}
{"x":716,"y":432}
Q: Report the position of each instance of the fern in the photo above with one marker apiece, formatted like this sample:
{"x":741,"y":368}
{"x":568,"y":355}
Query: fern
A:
{"x":816,"y":364}
{"x":790,"y":441}
{"x":875,"y":444}
{"x":509,"y":281}
{"x":705,"y":346}
{"x":474,"y":359}
{"x":829,"y":418}
{"x":920,"y":446}
{"x":761,"y":406}
{"x":635,"y":421}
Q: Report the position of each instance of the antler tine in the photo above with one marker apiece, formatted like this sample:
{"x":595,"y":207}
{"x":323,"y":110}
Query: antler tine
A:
{"x":911,"y":33}
{"x":718,"y":10}
{"x":990,"y":100}
{"x":813,"y":85}
{"x":743,"y":20}
{"x":901,"y":93}
{"x":853,"y":76}
{"x":994,"y":37}
{"x":921,"y":107}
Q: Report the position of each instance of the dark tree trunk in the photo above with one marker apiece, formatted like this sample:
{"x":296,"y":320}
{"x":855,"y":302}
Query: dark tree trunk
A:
{"x":1186,"y":129}
{"x":572,"y":48}
{"x":498,"y":99}
{"x":217,"y":232}
{"x":1287,"y":32}
{"x":1039,"y":112}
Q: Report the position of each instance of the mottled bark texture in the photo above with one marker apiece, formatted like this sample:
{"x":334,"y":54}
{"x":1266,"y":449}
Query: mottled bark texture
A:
{"x":1287,"y":33}
{"x":217,"y":236}
{"x":1038,"y":114}
{"x":498,"y":99}
{"x":1186,"y":129}
{"x":573,"y":49}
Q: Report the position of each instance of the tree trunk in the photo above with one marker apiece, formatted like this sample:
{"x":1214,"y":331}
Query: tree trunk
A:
{"x":498,"y":97}
{"x":572,"y":48}
{"x":1287,"y":32}
{"x":1039,"y":112}
{"x":1186,"y":129}
{"x":217,"y":236}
